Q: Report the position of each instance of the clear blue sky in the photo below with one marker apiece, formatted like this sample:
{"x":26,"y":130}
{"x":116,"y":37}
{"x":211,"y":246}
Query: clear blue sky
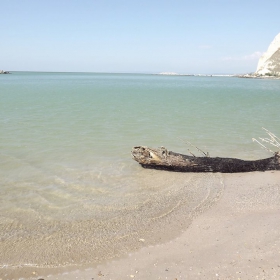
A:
{"x":145,"y":36}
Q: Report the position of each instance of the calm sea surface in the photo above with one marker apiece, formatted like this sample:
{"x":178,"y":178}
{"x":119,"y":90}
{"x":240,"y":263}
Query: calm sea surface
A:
{"x":70,"y":192}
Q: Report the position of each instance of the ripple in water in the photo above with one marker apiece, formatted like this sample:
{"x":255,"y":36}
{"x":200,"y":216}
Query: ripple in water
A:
{"x":74,"y":218}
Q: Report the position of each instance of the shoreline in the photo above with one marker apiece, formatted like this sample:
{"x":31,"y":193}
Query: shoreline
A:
{"x":237,"y":238}
{"x":173,"y":202}
{"x":247,"y":76}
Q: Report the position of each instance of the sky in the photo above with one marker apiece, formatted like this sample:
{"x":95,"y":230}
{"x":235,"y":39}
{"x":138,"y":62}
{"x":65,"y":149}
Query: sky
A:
{"x":144,"y":36}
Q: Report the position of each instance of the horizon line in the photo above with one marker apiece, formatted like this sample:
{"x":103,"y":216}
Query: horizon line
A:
{"x":140,"y":73}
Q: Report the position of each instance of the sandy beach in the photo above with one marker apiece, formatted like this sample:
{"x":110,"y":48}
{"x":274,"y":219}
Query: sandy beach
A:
{"x":237,"y":238}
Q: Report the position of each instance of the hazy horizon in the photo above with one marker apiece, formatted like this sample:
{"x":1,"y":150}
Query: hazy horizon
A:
{"x":140,"y":73}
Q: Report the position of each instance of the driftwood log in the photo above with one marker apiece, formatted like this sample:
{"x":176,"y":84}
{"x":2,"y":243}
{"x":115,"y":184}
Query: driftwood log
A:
{"x":163,"y":159}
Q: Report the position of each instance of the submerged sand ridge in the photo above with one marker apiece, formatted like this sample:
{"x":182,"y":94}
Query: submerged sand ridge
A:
{"x":163,"y":206}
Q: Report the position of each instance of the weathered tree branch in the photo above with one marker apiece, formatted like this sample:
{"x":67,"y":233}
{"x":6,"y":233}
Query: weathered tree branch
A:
{"x":163,"y":159}
{"x":166,"y":160}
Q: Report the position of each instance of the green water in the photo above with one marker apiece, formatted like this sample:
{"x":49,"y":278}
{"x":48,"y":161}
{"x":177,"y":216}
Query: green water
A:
{"x":65,"y":141}
{"x":72,"y":118}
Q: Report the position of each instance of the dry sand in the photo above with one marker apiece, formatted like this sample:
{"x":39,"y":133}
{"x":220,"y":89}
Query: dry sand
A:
{"x":238,"y":238}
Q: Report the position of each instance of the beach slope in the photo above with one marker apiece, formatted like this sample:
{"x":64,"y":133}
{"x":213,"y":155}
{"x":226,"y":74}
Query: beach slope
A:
{"x":238,"y":238}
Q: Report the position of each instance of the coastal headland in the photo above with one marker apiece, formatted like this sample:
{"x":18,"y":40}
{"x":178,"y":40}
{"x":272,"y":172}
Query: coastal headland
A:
{"x":269,"y":63}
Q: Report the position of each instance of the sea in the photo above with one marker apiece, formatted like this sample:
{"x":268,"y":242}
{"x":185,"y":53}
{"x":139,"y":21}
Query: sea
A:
{"x":70,"y":193}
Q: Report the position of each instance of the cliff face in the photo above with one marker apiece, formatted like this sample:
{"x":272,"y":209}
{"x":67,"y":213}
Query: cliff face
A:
{"x":269,"y":63}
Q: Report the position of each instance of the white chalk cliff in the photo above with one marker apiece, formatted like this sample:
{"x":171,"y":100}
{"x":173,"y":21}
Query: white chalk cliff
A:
{"x":269,"y":63}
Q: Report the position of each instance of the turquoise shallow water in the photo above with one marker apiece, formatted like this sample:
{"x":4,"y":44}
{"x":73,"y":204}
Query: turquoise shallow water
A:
{"x":68,"y":117}
{"x":65,"y":152}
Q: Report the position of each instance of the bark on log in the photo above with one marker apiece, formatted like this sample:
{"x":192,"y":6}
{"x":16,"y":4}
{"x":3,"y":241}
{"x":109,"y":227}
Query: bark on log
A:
{"x":163,"y":159}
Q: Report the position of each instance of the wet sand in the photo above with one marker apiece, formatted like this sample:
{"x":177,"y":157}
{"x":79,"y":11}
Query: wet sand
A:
{"x":237,"y":238}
